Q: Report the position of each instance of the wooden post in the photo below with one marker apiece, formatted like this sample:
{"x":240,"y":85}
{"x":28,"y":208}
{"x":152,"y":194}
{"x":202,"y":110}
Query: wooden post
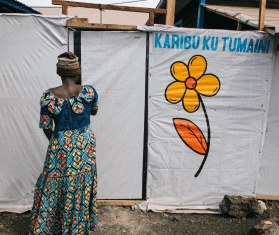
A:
{"x":239,"y":26}
{"x":151,"y":18}
{"x":101,"y":16}
{"x":262,"y":14}
{"x":170,"y":12}
{"x":64,"y":10}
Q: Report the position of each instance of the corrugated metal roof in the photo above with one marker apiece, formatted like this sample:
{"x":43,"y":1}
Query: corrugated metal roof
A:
{"x":94,"y":15}
{"x":18,"y":6}
{"x":248,"y":15}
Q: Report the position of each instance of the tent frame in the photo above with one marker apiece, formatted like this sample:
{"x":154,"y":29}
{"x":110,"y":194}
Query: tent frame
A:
{"x":83,"y":22}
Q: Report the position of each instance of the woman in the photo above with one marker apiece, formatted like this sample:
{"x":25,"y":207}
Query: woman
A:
{"x":65,"y":193}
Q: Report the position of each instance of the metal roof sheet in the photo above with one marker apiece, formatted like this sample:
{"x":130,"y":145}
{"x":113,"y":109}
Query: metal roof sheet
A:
{"x":248,"y":15}
{"x":94,"y":15}
{"x":19,"y":6}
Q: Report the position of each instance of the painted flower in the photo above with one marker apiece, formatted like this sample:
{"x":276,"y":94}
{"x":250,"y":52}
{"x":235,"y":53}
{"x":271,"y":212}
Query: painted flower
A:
{"x":191,"y":81}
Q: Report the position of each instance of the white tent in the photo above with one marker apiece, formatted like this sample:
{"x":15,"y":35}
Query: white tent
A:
{"x":242,"y":156}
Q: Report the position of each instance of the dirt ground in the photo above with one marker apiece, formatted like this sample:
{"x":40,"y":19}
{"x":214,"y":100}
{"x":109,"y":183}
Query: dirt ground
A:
{"x":123,"y":220}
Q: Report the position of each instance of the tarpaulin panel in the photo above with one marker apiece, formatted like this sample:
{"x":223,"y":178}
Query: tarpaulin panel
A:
{"x":268,"y":178}
{"x":114,"y":63}
{"x":237,"y":114}
{"x":30,"y":46}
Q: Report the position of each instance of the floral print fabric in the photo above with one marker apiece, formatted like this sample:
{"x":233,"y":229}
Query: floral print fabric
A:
{"x":56,"y":110}
{"x":65,"y":192}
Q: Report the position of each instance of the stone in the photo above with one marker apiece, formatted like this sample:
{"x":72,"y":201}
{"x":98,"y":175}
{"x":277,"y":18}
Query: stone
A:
{"x":223,"y":206}
{"x":266,"y":227}
{"x":263,"y":206}
{"x":241,"y":205}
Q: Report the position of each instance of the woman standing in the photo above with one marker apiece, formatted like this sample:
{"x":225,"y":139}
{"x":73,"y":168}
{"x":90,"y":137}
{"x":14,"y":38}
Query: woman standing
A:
{"x":65,"y":193}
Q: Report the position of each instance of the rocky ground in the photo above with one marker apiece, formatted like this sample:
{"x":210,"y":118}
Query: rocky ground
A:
{"x":123,"y":220}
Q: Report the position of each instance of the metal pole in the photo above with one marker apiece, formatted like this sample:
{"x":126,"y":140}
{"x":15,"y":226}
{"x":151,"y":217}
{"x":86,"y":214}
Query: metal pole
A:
{"x":200,"y":20}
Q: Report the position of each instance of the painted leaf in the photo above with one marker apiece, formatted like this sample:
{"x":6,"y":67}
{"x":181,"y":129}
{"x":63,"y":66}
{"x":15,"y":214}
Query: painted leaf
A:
{"x":191,"y":135}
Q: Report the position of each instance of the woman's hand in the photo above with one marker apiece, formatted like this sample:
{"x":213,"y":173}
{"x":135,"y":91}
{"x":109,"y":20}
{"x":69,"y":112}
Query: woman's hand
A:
{"x":94,"y":111}
{"x":48,"y":133}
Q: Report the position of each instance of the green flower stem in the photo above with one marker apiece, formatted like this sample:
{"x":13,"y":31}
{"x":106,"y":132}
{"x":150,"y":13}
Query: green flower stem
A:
{"x":208,"y":137}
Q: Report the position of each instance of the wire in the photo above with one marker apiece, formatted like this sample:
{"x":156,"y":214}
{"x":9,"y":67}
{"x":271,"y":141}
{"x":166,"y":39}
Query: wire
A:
{"x":96,"y":3}
{"x":126,"y":2}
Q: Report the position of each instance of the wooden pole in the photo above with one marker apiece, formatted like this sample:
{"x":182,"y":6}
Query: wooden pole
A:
{"x":151,"y":18}
{"x":262,"y":14}
{"x":170,"y":12}
{"x":239,"y":26}
{"x":64,"y":10}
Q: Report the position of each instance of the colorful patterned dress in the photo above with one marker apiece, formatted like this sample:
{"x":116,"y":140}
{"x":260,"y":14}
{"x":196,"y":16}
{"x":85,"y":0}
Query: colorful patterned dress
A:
{"x":65,"y":193}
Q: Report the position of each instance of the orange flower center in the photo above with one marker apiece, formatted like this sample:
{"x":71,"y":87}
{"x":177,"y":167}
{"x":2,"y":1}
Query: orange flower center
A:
{"x":191,"y":83}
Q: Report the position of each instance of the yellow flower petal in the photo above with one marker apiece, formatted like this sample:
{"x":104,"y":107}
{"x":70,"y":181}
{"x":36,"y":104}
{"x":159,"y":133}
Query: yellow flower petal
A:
{"x":208,"y":85}
{"x":197,"y":66}
{"x":175,"y":92}
{"x":179,"y":71}
{"x":191,"y":101}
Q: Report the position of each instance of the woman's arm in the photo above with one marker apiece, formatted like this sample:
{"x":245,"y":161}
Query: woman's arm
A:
{"x":48,"y":133}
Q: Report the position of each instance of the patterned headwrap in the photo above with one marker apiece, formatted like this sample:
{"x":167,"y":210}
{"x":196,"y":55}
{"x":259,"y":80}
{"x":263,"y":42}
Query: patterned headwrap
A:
{"x":68,"y":65}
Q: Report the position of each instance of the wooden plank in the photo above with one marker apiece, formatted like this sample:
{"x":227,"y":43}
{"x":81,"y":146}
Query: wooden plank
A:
{"x":64,"y":10}
{"x":252,"y":14}
{"x":222,"y":14}
{"x":119,"y":202}
{"x":170,"y":12}
{"x":109,"y":7}
{"x":83,"y":23}
{"x":270,"y":31}
{"x":228,"y":16}
{"x":262,"y":14}
{"x":267,"y":197}
{"x":78,"y":21}
{"x":151,"y":18}
{"x":239,"y":26}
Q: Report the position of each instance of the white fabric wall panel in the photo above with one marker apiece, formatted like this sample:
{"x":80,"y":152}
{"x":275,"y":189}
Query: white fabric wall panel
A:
{"x":71,"y":40}
{"x":268,"y":178}
{"x":114,"y":63}
{"x":29,"y":47}
{"x":237,"y":116}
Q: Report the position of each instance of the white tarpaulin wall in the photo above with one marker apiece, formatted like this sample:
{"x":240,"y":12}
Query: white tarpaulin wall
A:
{"x":29,"y":49}
{"x":268,"y":176}
{"x":237,"y":114}
{"x":114,"y":63}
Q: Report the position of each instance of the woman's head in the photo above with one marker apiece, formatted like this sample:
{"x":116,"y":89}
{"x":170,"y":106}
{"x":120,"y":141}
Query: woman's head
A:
{"x":68,"y":65}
